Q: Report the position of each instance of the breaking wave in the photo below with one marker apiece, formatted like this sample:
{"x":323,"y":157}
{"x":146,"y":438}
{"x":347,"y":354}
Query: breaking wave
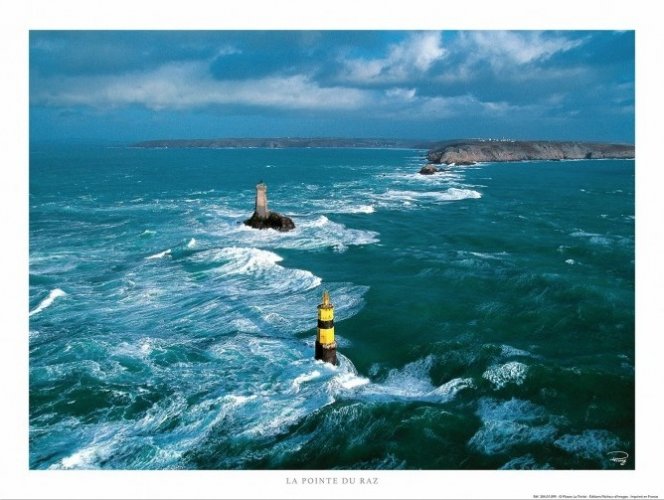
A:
{"x":392,"y":196}
{"x":591,"y":444}
{"x":54,"y":294}
{"x":309,"y":234}
{"x":507,"y":424}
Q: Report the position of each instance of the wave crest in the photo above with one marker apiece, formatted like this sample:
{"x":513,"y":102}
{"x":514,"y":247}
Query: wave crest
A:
{"x":54,"y":294}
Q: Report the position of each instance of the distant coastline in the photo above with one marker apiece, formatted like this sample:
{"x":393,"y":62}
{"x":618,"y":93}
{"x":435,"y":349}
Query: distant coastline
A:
{"x":288,"y":142}
{"x":458,"y":151}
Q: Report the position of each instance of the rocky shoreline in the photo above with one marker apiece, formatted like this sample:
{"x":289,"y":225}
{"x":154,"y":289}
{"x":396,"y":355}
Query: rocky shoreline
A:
{"x":469,"y":152}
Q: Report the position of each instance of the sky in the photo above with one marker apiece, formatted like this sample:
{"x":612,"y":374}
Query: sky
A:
{"x":129,"y":86}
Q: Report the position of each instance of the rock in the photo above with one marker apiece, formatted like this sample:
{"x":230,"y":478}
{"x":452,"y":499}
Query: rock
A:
{"x":273,"y":220}
{"x":428,"y":169}
{"x":460,"y":152}
{"x":464,"y":163}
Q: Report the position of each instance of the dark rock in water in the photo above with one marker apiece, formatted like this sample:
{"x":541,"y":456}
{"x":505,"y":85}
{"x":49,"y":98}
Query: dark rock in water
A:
{"x":273,"y":220}
{"x":464,"y":163}
{"x":428,"y":169}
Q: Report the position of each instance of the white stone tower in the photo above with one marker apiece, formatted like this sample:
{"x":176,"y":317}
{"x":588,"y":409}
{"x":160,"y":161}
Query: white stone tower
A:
{"x":261,"y":201}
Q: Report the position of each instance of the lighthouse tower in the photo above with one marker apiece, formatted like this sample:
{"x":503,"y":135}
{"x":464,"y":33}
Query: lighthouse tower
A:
{"x":261,"y":201}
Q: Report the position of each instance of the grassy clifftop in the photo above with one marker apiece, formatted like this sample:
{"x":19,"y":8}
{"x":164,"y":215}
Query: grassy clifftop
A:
{"x":497,"y":151}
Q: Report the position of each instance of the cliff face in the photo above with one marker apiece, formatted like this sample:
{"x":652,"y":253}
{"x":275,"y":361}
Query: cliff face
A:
{"x":498,"y":151}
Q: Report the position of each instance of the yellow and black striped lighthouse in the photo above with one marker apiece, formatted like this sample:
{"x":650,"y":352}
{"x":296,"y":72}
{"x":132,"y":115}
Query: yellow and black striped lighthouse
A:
{"x":326,"y":347}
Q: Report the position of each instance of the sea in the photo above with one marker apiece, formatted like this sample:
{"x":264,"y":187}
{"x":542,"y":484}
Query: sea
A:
{"x":484,"y":315}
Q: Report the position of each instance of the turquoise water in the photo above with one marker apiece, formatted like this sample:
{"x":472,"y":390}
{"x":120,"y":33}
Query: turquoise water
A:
{"x":485,"y":316}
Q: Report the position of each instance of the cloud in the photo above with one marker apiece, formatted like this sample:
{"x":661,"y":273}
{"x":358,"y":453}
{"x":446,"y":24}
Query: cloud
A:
{"x":190,"y":85}
{"x":514,"y":55}
{"x":415,"y":55}
{"x":516,"y":47}
{"x":482,"y":80}
{"x":186,"y":86}
{"x":461,"y":106}
{"x":401,"y":94}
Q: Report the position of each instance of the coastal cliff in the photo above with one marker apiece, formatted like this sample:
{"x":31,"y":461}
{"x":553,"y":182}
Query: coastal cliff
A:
{"x":457,"y":151}
{"x":466,"y":152}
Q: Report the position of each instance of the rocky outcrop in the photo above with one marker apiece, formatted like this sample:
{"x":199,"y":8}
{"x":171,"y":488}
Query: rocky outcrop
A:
{"x":428,"y":169}
{"x":273,"y":220}
{"x":463,"y":152}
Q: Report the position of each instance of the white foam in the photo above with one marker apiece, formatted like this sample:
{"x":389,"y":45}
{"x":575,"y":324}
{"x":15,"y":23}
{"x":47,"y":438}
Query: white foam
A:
{"x":247,"y":283}
{"x":281,"y":385}
{"x":451,"y":194}
{"x":349,"y":381}
{"x":238,"y":400}
{"x":239,"y":261}
{"x":590,"y":444}
{"x":412,"y":382}
{"x":159,"y":255}
{"x":89,"y":456}
{"x":526,"y":462}
{"x":192,"y":243}
{"x":491,"y":256}
{"x":509,"y":373}
{"x":506,"y":424}
{"x":449,"y":389}
{"x":244,"y":325}
{"x":300,"y":379}
{"x":146,"y":347}
{"x":360,"y":209}
{"x":508,"y":350}
{"x":342,"y":202}
{"x":440,"y":177}
{"x":571,"y":262}
{"x":484,"y":255}
{"x":412,"y":379}
{"x":319,"y":222}
{"x":594,"y":238}
{"x":309,"y":234}
{"x":82,"y":459}
{"x":454,"y":194}
{"x":54,"y":294}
